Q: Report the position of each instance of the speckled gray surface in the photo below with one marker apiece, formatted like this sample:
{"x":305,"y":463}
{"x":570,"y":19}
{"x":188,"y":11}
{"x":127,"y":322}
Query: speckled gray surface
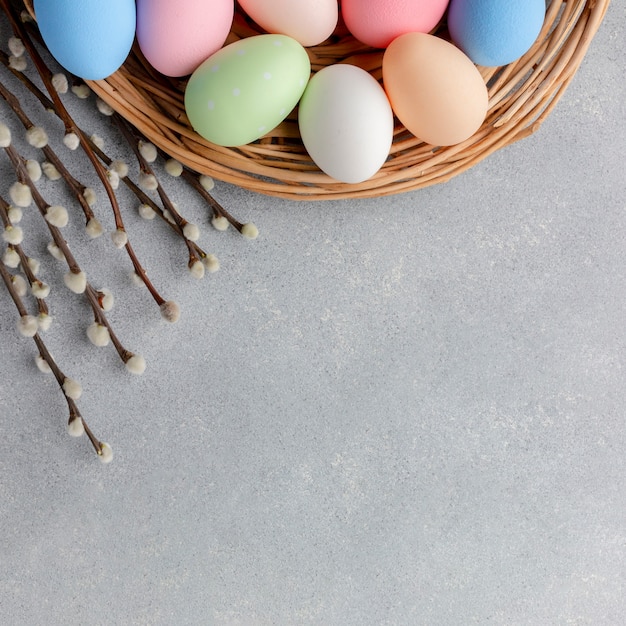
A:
{"x":403,"y":411}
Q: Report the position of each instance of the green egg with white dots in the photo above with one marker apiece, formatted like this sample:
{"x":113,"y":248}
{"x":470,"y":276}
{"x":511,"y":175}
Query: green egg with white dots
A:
{"x":246,"y":89}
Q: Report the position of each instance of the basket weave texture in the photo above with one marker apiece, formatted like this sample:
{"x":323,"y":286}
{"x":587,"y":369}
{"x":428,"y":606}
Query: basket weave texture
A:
{"x":521,"y":96}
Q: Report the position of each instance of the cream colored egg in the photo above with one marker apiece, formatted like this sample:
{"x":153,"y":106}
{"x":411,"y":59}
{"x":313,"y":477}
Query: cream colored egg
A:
{"x":308,"y":21}
{"x":435,"y":90}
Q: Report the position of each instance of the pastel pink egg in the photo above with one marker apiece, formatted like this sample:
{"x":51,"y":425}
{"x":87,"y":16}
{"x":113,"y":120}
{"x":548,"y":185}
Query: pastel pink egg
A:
{"x":378,"y":22}
{"x":176,"y":37}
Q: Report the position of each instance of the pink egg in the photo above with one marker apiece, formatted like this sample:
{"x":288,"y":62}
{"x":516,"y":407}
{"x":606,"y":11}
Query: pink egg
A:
{"x":377,"y":22}
{"x":308,"y":22}
{"x":175,"y":37}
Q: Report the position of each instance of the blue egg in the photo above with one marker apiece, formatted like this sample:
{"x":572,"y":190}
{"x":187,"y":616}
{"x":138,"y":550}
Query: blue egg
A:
{"x":90,"y":38}
{"x":495,"y":32}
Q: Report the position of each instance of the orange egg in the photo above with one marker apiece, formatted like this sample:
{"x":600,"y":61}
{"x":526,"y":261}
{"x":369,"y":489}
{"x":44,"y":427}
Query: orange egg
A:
{"x":435,"y":90}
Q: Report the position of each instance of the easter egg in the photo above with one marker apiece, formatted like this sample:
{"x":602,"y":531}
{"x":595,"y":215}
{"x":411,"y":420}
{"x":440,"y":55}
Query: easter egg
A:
{"x":175,"y":37}
{"x":246,"y":88}
{"x":435,"y":90}
{"x":89,"y":38}
{"x":495,"y":32}
{"x":377,"y":22}
{"x":309,"y":22}
{"x":346,"y":123}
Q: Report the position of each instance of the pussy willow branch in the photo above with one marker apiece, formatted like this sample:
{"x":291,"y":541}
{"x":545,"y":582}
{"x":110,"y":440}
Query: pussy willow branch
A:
{"x":218,"y":209}
{"x":144,"y":198}
{"x":77,"y":188}
{"x":91,"y":293}
{"x":60,"y":377}
{"x":26,"y":268}
{"x":179,"y":222}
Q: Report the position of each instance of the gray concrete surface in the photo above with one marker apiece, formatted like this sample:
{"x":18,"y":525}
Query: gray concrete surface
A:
{"x":401,"y":411}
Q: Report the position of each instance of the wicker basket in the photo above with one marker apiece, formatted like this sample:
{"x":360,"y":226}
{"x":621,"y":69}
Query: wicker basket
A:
{"x":521,"y":95}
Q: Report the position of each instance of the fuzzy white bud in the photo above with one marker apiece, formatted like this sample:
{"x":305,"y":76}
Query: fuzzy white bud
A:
{"x":37,"y":137}
{"x":249,"y":231}
{"x":14,"y":213}
{"x":20,"y":194}
{"x":16,"y":46}
{"x":71,"y":141}
{"x":97,"y":141}
{"x":75,"y":428}
{"x":33,"y":264}
{"x":45,"y":321}
{"x":59,"y":82}
{"x":106,"y":453}
{"x":173,"y":167}
{"x":191,"y":232}
{"x":13,"y":235}
{"x":168,"y":216}
{"x":19,"y":64}
{"x":27,"y":326}
{"x":197,"y":269}
{"x":20,"y":285}
{"x":34,"y":170}
{"x":104,"y":107}
{"x":148,"y":181}
{"x":40,"y":289}
{"x":76,"y":283}
{"x":81,"y":91}
{"x":57,"y":216}
{"x":120,"y":167}
{"x":170,"y":311}
{"x":146,"y":211}
{"x":42,"y":365}
{"x":55,"y":251}
{"x":219,"y":222}
{"x":5,"y":135}
{"x":148,"y":151}
{"x":90,"y":196}
{"x":72,"y":388}
{"x":211,"y":263}
{"x":98,"y":334}
{"x":94,"y":228}
{"x":106,"y":299}
{"x":119,"y":238}
{"x":207,"y":182}
{"x":50,"y":171}
{"x":114,"y":179}
{"x":136,"y":279}
{"x":11,"y":258}
{"x":136,"y":364}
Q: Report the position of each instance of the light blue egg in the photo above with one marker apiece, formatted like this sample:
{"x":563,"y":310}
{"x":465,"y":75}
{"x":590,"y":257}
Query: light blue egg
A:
{"x":90,"y":38}
{"x":495,"y":32}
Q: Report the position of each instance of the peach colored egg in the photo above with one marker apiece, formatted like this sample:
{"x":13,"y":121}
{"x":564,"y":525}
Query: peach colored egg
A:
{"x":307,"y":21}
{"x":434,"y":89}
{"x":377,"y":22}
{"x":175,"y":37}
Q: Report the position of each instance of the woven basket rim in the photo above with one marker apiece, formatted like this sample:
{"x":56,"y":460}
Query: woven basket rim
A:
{"x":521,"y":96}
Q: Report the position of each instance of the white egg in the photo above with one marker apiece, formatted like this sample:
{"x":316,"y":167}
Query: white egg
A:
{"x":346,"y":123}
